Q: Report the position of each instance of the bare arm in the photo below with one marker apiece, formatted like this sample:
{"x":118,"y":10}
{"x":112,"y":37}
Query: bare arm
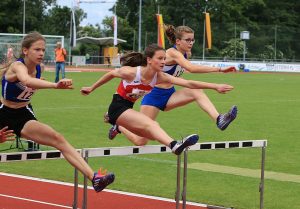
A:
{"x":192,"y":68}
{"x":166,"y":78}
{"x":22,"y":75}
{"x":123,"y":73}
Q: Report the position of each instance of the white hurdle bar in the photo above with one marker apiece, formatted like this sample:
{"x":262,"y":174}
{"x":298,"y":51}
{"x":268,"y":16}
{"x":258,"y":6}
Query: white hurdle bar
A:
{"x":155,"y":149}
{"x":137,"y":150}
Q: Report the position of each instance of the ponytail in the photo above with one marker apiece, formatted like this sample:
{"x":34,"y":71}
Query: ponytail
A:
{"x":133,"y":59}
{"x":170,"y":33}
{"x":173,"y":33}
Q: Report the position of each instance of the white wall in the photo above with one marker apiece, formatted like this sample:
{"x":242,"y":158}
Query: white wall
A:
{"x":254,"y":66}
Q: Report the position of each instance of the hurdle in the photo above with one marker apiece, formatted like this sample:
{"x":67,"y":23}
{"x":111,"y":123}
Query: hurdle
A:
{"x":156,"y":149}
{"x":149,"y":149}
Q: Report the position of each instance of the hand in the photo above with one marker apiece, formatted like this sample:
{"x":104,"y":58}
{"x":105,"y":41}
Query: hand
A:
{"x":86,"y":90}
{"x":223,"y":88}
{"x":228,"y":69}
{"x":6,"y":135}
{"x":64,"y":84}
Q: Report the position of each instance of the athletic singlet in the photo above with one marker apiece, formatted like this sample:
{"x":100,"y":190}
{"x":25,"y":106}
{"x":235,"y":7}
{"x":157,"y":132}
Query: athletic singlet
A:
{"x":16,"y":91}
{"x":174,"y":70}
{"x":135,"y":89}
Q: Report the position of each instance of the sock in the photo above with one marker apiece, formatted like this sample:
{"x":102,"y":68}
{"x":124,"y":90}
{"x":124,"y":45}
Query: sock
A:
{"x":117,"y":128}
{"x":172,"y":144}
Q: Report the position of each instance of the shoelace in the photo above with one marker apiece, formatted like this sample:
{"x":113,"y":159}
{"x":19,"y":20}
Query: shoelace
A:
{"x":102,"y":172}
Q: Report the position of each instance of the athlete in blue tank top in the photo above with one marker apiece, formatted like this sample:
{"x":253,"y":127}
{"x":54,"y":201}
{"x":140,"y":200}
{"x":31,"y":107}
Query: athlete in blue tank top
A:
{"x":164,"y":97}
{"x":20,"y":80}
{"x":16,"y":91}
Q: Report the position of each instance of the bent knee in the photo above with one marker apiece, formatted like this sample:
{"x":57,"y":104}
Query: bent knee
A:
{"x":141,"y":142}
{"x":58,"y":140}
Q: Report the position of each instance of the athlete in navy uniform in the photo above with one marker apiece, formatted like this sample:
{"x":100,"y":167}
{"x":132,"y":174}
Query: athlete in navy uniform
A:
{"x":20,"y":81}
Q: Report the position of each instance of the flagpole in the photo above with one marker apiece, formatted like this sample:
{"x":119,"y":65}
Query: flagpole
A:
{"x":70,"y":50}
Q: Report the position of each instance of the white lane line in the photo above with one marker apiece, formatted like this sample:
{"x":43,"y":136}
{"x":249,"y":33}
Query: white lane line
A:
{"x":35,"y":201}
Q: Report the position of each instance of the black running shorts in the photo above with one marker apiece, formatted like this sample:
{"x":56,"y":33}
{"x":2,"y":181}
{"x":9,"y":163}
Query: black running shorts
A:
{"x":15,"y":119}
{"x":117,"y":107}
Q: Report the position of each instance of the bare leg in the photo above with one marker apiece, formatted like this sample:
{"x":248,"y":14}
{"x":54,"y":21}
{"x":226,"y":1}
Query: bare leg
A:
{"x":44,"y":134}
{"x":186,"y":96}
{"x":178,"y":99}
{"x":147,"y":110}
{"x":142,"y":125}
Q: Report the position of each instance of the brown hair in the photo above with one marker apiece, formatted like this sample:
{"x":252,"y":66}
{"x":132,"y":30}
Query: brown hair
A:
{"x":134,"y":59}
{"x":29,"y":39}
{"x":27,"y":42}
{"x":173,"y":33}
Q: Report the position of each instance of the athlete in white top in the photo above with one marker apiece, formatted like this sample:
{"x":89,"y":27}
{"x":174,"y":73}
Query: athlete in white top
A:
{"x":164,"y":97}
{"x":120,"y":111}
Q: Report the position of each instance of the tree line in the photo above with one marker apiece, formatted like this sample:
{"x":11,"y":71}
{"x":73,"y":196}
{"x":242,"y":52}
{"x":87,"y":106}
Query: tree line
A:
{"x":273,"y":24}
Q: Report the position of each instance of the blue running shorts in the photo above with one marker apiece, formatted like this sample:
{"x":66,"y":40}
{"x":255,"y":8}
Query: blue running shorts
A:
{"x":158,"y":97}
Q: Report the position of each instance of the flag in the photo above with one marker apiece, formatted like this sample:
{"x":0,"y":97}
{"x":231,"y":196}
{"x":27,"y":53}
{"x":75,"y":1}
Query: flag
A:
{"x":115,"y":26}
{"x":73,"y":29}
{"x":208,"y":31}
{"x":160,"y":31}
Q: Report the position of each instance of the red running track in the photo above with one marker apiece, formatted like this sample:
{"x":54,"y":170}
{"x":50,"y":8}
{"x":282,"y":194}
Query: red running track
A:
{"x":30,"y":193}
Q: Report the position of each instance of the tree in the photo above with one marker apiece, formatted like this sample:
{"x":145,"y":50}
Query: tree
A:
{"x":234,"y":49}
{"x":58,"y":20}
{"x":11,"y":15}
{"x":125,"y":31}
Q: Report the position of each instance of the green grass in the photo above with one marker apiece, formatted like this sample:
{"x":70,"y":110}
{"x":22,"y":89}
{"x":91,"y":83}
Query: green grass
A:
{"x":268,"y":109}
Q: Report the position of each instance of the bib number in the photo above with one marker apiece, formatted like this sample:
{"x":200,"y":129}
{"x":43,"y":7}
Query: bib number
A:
{"x":26,"y":94}
{"x":178,"y":71}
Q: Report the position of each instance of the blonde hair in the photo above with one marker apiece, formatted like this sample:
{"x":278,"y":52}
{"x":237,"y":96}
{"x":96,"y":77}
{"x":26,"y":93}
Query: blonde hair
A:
{"x":173,"y":33}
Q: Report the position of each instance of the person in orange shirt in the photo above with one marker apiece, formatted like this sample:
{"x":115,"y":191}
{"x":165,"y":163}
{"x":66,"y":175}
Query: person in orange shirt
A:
{"x":60,"y":58}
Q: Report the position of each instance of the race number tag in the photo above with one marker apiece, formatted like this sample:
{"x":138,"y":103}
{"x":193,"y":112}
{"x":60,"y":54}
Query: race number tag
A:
{"x":178,"y":71}
{"x":26,"y":94}
{"x":137,"y":93}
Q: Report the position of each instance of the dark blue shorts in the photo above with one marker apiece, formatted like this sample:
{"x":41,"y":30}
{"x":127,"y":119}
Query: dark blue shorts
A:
{"x":158,"y":97}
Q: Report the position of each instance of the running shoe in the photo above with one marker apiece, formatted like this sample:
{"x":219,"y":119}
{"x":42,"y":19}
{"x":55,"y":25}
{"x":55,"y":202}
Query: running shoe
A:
{"x":186,"y":142}
{"x":113,"y":132}
{"x":224,"y":120}
{"x":102,"y":180}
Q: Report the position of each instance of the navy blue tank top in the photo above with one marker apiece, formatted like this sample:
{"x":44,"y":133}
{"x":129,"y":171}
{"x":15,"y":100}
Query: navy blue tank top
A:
{"x":16,"y":91}
{"x":174,"y":70}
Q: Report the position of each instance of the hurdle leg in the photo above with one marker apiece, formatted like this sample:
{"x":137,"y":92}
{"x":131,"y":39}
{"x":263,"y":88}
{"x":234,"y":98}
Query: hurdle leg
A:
{"x":184,"y":178}
{"x":84,"y":202}
{"x":75,"y":200}
{"x":177,"y":194}
{"x":262,"y":176}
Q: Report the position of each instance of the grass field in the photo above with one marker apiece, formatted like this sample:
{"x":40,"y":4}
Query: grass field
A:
{"x":268,"y":109}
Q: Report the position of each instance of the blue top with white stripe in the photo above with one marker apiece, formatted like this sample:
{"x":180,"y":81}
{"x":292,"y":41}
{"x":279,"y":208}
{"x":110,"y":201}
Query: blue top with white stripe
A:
{"x":174,"y":70}
{"x":16,"y":91}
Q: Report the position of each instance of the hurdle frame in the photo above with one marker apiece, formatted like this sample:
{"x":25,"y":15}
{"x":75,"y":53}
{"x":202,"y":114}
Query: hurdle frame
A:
{"x":149,"y":149}
{"x":155,"y":149}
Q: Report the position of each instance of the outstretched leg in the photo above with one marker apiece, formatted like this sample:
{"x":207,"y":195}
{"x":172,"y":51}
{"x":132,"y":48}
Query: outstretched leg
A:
{"x":44,"y":134}
{"x":185,"y":96}
{"x":142,"y":125}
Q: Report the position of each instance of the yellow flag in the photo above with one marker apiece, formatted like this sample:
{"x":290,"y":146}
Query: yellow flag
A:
{"x":208,"y":31}
{"x":160,"y":31}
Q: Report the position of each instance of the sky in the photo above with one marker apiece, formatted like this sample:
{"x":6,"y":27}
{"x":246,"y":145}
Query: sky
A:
{"x":96,"y":12}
